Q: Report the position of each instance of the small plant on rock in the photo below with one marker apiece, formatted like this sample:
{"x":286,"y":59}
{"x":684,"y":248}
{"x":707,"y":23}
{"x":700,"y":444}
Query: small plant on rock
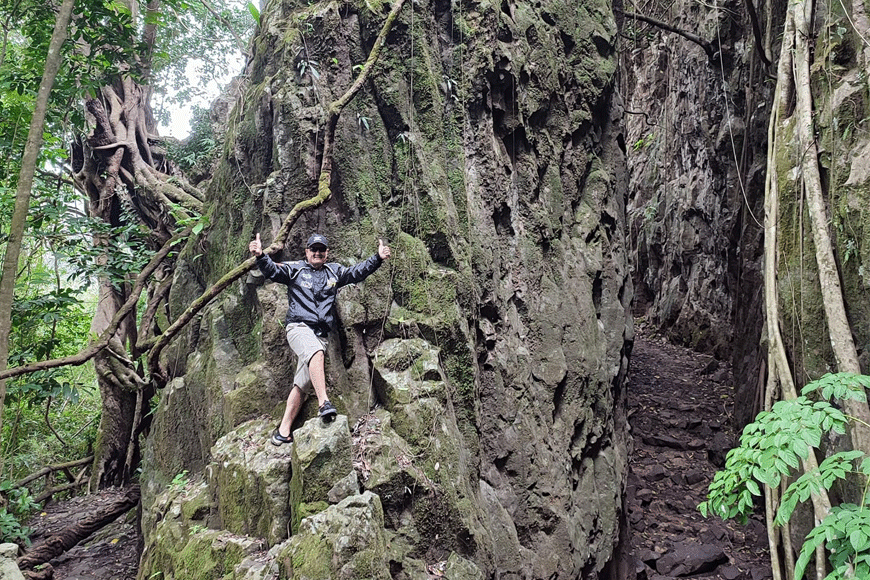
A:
{"x":179,"y":482}
{"x":774,"y":446}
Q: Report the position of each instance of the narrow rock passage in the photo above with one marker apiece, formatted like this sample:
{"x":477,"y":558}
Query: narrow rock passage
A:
{"x":680,"y":412}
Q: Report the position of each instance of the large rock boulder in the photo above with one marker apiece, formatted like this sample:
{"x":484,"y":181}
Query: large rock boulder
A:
{"x":8,"y":568}
{"x":249,"y":481}
{"x":181,"y":539}
{"x":321,"y":457}
{"x":494,"y":344}
{"x":346,"y":541}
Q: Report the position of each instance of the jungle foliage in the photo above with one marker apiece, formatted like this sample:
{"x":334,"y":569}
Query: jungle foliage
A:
{"x":772,"y":450}
{"x":53,"y":414}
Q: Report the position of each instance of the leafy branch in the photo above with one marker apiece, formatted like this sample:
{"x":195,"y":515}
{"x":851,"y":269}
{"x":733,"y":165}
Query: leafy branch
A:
{"x":103,"y":341}
{"x":773,"y":447}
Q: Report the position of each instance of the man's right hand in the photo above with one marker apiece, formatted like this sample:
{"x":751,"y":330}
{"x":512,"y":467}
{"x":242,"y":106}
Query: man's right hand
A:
{"x":256,"y":247}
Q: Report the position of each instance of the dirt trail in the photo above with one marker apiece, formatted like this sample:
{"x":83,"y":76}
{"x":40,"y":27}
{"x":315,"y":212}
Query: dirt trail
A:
{"x":680,"y":411}
{"x":110,"y":553}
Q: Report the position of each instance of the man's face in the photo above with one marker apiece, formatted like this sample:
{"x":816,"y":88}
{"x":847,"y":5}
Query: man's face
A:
{"x":316,"y":255}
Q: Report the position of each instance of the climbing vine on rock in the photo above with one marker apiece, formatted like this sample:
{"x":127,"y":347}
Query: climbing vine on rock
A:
{"x":792,"y":129}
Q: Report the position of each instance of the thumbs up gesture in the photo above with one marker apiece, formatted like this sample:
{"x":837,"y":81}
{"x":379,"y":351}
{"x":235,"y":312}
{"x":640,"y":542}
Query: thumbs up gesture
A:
{"x":383,"y":249}
{"x":256,"y":247}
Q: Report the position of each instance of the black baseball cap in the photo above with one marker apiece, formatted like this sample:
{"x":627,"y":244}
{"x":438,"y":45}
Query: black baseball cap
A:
{"x":316,"y":239}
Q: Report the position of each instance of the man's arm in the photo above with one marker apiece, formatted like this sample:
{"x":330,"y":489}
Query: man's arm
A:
{"x":271,"y":270}
{"x":361,"y":271}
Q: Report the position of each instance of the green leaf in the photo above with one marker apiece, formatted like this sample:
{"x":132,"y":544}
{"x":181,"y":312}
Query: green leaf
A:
{"x":753,"y":487}
{"x":255,"y":13}
{"x":790,"y":458}
{"x":808,"y":551}
{"x":812,"y":437}
{"x":800,"y":448}
{"x":859,"y":540}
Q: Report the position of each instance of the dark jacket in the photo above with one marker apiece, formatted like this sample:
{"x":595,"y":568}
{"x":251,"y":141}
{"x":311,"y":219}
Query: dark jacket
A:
{"x":311,"y":293}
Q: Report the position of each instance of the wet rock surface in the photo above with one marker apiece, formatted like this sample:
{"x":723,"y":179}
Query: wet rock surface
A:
{"x":681,"y":416}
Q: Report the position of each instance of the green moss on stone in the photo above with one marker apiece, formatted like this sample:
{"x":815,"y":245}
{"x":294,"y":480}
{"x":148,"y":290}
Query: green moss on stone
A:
{"x":234,"y":499}
{"x":311,"y":558}
{"x":196,"y":507}
{"x":310,"y":508}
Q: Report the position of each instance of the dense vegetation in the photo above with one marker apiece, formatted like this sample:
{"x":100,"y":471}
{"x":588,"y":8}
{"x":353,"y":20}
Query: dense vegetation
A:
{"x":68,"y":250}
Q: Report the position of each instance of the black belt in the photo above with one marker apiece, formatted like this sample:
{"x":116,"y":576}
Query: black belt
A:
{"x":320,"y":329}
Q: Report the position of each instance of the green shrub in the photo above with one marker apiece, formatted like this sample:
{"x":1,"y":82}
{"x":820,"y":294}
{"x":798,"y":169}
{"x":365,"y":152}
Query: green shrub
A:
{"x":19,"y":507}
{"x":772,"y":447}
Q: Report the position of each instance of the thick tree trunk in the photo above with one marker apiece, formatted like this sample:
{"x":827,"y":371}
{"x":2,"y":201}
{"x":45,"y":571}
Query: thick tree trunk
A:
{"x":124,"y":179}
{"x":119,"y":383}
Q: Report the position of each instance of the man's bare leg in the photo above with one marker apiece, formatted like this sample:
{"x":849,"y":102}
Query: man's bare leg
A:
{"x":318,"y":376}
{"x":294,"y":404}
{"x":326,"y":410}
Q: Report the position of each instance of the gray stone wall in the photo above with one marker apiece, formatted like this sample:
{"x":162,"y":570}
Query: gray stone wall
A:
{"x":696,"y":131}
{"x":485,"y":149}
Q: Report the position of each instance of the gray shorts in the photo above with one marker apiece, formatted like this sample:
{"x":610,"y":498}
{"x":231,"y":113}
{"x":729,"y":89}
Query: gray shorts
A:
{"x":305,"y":344}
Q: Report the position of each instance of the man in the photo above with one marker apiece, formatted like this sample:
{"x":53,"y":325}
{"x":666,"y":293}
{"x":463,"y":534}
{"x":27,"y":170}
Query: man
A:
{"x":312,"y":285}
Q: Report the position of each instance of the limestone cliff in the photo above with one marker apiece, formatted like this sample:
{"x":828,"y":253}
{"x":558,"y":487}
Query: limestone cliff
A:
{"x":696,"y":132}
{"x":479,"y":374}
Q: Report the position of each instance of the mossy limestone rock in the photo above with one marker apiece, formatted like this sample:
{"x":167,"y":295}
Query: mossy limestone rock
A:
{"x":388,"y":460}
{"x":8,"y":568}
{"x":458,"y":568}
{"x":250,"y":479}
{"x":346,"y":541}
{"x":254,"y":567}
{"x":405,"y":370}
{"x":345,"y":487}
{"x":322,"y":456}
{"x":455,"y":567}
{"x":416,"y":457}
{"x":203,"y":555}
{"x":181,"y":545}
{"x":529,"y":314}
{"x":252,"y":394}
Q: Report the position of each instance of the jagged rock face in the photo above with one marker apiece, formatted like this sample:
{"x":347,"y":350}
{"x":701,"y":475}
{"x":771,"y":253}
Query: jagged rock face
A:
{"x":696,"y":139}
{"x":485,"y":149}
{"x":696,"y":231}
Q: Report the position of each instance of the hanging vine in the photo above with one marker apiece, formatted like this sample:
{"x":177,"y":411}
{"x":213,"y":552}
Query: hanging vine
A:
{"x":793,"y":89}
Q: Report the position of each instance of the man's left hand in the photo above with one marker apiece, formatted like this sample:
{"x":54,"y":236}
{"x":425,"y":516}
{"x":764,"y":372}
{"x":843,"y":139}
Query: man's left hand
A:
{"x":383,"y":250}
